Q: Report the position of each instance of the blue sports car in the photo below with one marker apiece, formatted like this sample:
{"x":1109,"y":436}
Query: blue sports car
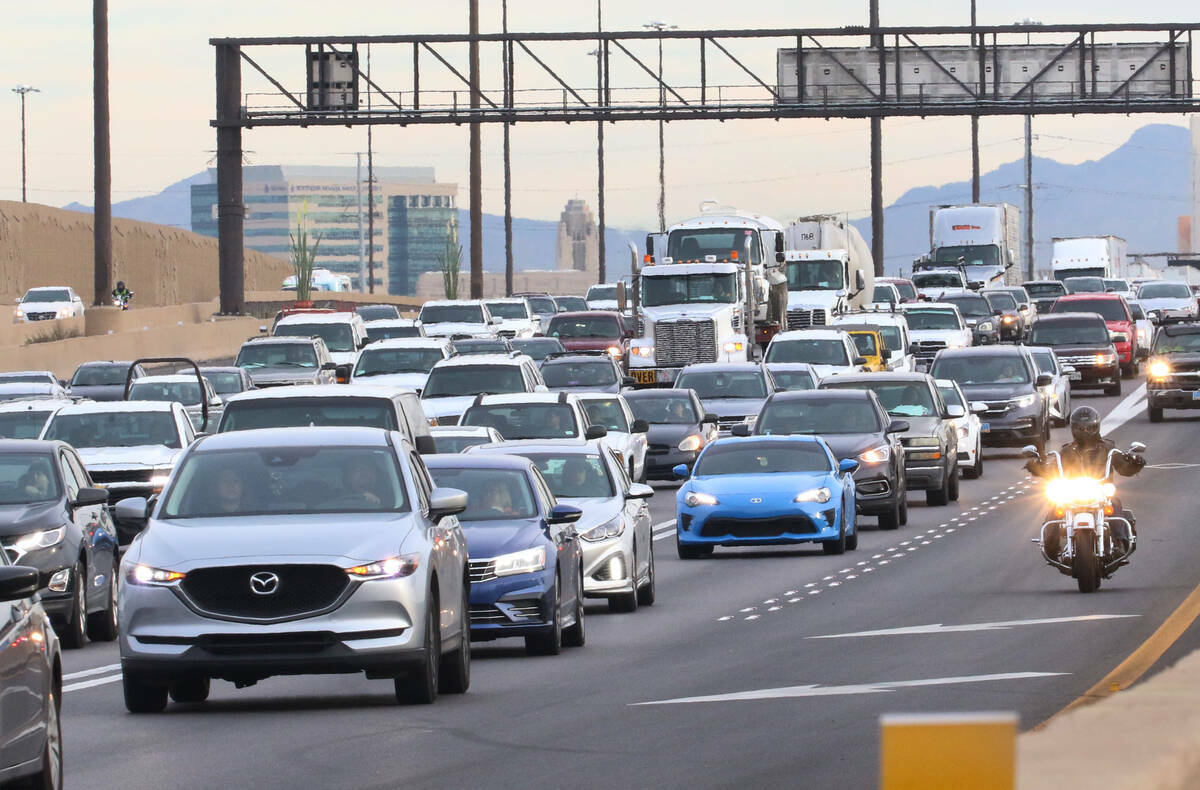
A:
{"x":763,"y":491}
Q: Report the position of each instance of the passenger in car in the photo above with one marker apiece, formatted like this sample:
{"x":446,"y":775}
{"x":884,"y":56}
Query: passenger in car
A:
{"x":362,"y":480}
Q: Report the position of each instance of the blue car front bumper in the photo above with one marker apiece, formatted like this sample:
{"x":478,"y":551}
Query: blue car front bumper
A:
{"x":768,"y":524}
{"x":511,"y":606}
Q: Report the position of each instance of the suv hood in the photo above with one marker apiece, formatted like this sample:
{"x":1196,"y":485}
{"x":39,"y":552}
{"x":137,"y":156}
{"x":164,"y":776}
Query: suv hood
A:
{"x":609,"y":388}
{"x":446,"y":328}
{"x":1166,"y":303}
{"x":1073,"y":349}
{"x":104,"y":392}
{"x":996,"y":392}
{"x":185,"y":544}
{"x":139,"y":457}
{"x":452,"y":406}
{"x":589,"y":343}
{"x":917,"y":426}
{"x":20,"y":519}
{"x":733,"y":407}
{"x":280,"y":376}
{"x":44,"y":307}
{"x":849,"y":445}
{"x":412,"y":381}
{"x":951,"y":337}
{"x":672,"y":434}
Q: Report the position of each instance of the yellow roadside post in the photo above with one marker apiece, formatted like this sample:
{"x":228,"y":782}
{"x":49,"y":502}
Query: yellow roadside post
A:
{"x":948,"y":751}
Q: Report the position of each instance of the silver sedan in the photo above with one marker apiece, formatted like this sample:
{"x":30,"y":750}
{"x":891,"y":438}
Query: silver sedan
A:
{"x":295,"y":551}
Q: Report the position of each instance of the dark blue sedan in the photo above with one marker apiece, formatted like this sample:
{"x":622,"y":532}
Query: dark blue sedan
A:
{"x":526,"y":562}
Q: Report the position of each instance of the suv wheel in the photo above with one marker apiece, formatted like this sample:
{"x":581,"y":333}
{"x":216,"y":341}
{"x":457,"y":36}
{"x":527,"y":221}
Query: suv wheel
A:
{"x":420,"y":685}
{"x":1155,"y":413}
{"x":74,"y":635}
{"x":953,"y":487}
{"x":455,"y":672}
{"x":142,"y":696}
{"x":102,"y":626}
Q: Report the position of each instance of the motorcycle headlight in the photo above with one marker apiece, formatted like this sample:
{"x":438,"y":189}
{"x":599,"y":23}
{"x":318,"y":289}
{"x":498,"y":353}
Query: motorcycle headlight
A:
{"x":147,"y":576}
{"x":391,"y":568}
{"x":1067,"y":491}
{"x":43,"y":539}
{"x":1159,"y":369}
{"x":876,"y":455}
{"x":610,"y":529}
{"x":985,"y":326}
{"x":697,"y":498}
{"x":820,"y":495}
{"x":691,"y":443}
{"x":526,"y":561}
{"x":1024,"y":401}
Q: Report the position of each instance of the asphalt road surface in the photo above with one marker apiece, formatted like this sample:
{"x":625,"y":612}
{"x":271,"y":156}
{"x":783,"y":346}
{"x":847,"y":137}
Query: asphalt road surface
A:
{"x":761,"y":668}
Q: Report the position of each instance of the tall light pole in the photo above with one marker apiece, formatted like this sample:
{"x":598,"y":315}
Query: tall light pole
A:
{"x":662,"y":162}
{"x":23,"y":90}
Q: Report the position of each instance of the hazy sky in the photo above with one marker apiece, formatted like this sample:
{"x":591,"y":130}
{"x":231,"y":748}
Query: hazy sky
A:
{"x":162,"y":99}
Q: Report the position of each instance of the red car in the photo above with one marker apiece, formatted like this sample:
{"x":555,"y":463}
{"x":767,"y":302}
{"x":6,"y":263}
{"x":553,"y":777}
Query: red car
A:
{"x":1115,"y":312}
{"x":592,"y":330}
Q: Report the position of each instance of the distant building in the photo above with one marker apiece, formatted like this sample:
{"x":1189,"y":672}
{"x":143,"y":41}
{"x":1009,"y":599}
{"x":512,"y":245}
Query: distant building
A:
{"x":415,"y":218}
{"x":578,"y":239}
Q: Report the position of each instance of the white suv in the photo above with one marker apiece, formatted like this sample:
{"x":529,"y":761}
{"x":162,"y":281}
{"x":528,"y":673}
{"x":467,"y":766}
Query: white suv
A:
{"x":831,"y":352}
{"x":534,"y":415}
{"x":453,"y":383}
{"x":516,"y":318}
{"x":344,"y":333}
{"x":445,"y":318}
{"x":48,"y":304}
{"x":934,"y":326}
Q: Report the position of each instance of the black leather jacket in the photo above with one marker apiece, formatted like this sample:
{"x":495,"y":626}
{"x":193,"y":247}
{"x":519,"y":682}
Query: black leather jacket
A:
{"x":1087,"y":459}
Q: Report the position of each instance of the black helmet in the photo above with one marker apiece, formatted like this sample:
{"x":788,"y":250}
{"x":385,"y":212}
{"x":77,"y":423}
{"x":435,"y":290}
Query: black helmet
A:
{"x":1085,"y":424}
{"x":120,"y":285}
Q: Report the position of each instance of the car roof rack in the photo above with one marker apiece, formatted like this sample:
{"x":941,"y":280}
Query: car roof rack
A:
{"x":562,"y":397}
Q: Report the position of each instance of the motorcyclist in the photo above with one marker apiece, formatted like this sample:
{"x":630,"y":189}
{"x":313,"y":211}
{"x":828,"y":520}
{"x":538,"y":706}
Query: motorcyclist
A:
{"x":121,"y":294}
{"x":1087,"y":456}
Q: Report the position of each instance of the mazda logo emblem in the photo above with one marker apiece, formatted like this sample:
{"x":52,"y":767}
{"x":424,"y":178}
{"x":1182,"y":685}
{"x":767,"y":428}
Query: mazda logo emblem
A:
{"x":756,"y":500}
{"x":264,"y":583}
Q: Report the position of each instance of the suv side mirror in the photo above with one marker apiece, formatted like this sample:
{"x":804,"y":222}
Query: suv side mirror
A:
{"x":640,"y":426}
{"x":90,"y":496}
{"x":17,"y":582}
{"x":709,"y":419}
{"x":329,"y":366}
{"x":595,"y":432}
{"x":741,"y":429}
{"x":897,"y":426}
{"x":978,"y":407}
{"x":1043,"y":380}
{"x":955,"y":411}
{"x":860,"y":360}
{"x":564,"y":514}
{"x":135,"y":510}
{"x":446,"y":502}
{"x":639,"y":491}
{"x":628,"y":381}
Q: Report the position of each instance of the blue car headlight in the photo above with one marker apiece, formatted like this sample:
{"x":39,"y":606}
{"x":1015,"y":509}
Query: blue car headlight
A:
{"x":696,"y":498}
{"x":526,"y":561}
{"x":820,"y":495}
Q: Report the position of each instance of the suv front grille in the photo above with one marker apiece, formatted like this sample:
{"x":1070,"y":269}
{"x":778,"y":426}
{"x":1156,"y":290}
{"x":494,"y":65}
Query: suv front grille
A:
{"x":482,"y":570}
{"x":40,"y":316}
{"x":927,"y":349}
{"x":802,"y":319}
{"x":122,"y":476}
{"x":302,"y":590}
{"x":679,"y":343}
{"x":1079,"y":361}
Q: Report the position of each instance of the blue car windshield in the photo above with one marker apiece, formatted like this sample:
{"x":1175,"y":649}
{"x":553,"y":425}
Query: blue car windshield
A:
{"x":492,"y":494}
{"x":756,"y":458}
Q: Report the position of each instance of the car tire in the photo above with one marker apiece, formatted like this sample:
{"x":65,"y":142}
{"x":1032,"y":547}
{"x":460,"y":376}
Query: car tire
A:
{"x":102,"y":626}
{"x":693,"y":552}
{"x":953,"y":487}
{"x":419,"y":686}
{"x":1155,"y":413}
{"x":837,"y":546}
{"x":646,"y":593}
{"x":575,"y":635}
{"x":74,"y":633}
{"x":852,"y":539}
{"x":454,"y":676}
{"x":192,"y":689}
{"x":903,"y":507}
{"x":50,"y":775}
{"x":1114,"y":388}
{"x":936,"y":497}
{"x":548,"y":644}
{"x":141,"y":695}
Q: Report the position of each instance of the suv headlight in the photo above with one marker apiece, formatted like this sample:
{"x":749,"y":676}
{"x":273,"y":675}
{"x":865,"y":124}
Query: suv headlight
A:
{"x":1024,"y":401}
{"x":821,"y":495}
{"x":1159,"y":369}
{"x":391,"y":568}
{"x":985,"y":326}
{"x":876,"y":455}
{"x":698,"y":498}
{"x":1106,"y":359}
{"x":64,"y":312}
{"x":691,"y":443}
{"x":609,"y":529}
{"x":39,"y":540}
{"x":147,"y":576}
{"x":526,"y":561}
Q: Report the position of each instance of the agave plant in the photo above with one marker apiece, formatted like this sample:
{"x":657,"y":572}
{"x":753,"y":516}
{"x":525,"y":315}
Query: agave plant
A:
{"x":449,"y":261}
{"x":304,"y":256}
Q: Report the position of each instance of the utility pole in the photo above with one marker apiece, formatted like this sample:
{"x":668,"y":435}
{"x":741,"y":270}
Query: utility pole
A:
{"x":1029,"y":275}
{"x":975,"y":128}
{"x":362,"y":263}
{"x":102,"y":163}
{"x":505,"y":53}
{"x":662,"y":162}
{"x":476,"y":177}
{"x":877,"y":154}
{"x":23,"y":90}
{"x":370,"y":190}
{"x":601,"y":267}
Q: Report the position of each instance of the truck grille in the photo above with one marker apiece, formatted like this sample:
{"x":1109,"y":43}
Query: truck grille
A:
{"x":301,"y":590}
{"x":927,"y":349}
{"x":1079,"y":361}
{"x":122,"y":476}
{"x":679,"y":343}
{"x":802,"y":319}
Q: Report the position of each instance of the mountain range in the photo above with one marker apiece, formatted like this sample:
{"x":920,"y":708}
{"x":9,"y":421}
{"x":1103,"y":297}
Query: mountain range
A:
{"x":1137,"y":191}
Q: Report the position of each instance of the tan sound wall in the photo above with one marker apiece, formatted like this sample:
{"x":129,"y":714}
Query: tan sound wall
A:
{"x":41,"y":245}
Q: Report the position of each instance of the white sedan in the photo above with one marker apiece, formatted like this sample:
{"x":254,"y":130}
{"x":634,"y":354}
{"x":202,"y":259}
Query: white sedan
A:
{"x":970,"y":441}
{"x":48,"y":304}
{"x":624,"y":436}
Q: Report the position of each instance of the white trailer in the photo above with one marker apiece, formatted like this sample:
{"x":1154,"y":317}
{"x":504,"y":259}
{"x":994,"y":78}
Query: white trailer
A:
{"x":829,"y":270}
{"x":984,"y":236}
{"x":1089,"y":256}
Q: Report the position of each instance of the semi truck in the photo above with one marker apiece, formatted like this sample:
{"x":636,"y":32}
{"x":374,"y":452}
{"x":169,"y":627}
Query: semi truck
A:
{"x":985,"y":237}
{"x":829,"y":270}
{"x":710,"y":289}
{"x":1088,"y":256}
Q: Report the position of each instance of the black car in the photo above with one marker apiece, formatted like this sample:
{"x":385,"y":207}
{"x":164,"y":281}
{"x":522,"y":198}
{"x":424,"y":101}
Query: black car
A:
{"x":571,"y":304}
{"x":855,"y":426}
{"x":377,"y":312}
{"x":577,"y":371}
{"x":679,"y":428}
{"x":1173,"y":380}
{"x":102,"y":380}
{"x":226,"y":380}
{"x":979,"y":315}
{"x":1012,"y":315}
{"x":538,"y":348}
{"x":930,"y":441}
{"x":31,"y":668}
{"x":1082,"y":341}
{"x":52,"y":518}
{"x":1044,"y":293}
{"x":1007,"y":379}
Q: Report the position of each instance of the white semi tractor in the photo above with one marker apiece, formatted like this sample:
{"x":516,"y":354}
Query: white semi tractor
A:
{"x":1089,"y":256}
{"x":829,"y":270}
{"x":985,"y":237}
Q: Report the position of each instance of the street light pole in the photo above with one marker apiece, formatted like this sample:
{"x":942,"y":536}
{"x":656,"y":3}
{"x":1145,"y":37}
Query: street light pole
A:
{"x":662,"y":162}
{"x":23,"y":90}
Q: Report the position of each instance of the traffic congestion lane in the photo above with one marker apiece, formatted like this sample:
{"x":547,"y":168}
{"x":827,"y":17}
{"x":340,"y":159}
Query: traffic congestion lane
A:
{"x":680,"y":647}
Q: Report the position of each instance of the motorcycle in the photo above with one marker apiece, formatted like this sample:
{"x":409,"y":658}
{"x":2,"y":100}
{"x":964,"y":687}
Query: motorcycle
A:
{"x":1088,"y":549}
{"x":122,"y":301}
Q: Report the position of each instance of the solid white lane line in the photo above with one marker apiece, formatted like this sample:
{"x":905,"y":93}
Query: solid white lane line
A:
{"x":94,"y":671}
{"x":663,"y":524}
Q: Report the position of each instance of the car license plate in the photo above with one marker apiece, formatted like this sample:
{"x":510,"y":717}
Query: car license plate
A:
{"x":1075,"y":375}
{"x":1196,"y":395}
{"x":985,"y":427}
{"x":645,"y":376}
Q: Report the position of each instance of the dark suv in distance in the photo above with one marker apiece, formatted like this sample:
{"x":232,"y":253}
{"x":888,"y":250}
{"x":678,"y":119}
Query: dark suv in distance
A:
{"x":855,"y":426}
{"x":1174,"y":370}
{"x":1081,"y":340}
{"x":1044,"y":293}
{"x":1006,"y":378}
{"x":1117,"y":317}
{"x":978,"y":313}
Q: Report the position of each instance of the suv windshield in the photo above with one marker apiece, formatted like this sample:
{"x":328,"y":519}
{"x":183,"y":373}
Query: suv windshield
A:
{"x":1045,"y":290}
{"x":793,"y":380}
{"x":277,"y":355}
{"x":724,"y":244}
{"x":377,"y":312}
{"x":1001,"y":300}
{"x":937,"y":280}
{"x":602,"y":293}
{"x":224,"y":383}
{"x":245,"y":415}
{"x":481,"y":346}
{"x":584,"y":326}
{"x":898,"y":398}
{"x":1179,"y":344}
{"x":492,"y":494}
{"x":951,"y":397}
{"x":537,"y":348}
{"x":574,"y":474}
{"x":590,"y":373}
{"x":452,"y":314}
{"x":932,"y":320}
{"x":337,"y":337}
{"x":884,"y":293}
{"x":508,"y":310}
{"x":1164,"y":291}
{"x":458,"y":380}
{"x":1090,"y":333}
{"x":542,"y":305}
{"x":285,"y":480}
{"x":814,"y":276}
{"x":723,"y":383}
{"x":982,"y":369}
{"x":571,"y":304}
{"x":1045,"y":360}
{"x":606,"y":412}
{"x":688,"y":289}
{"x":100,"y":376}
{"x":185,"y":392}
{"x":1109,"y":309}
{"x":1116,"y":285}
{"x":762,"y":457}
{"x":816,"y":351}
{"x":23,"y":424}
{"x":115,"y":429}
{"x":27,"y":478}
{"x":865,"y":343}
{"x":669,"y":410}
{"x":517,"y":421}
{"x":970,"y":306}
{"x":382,"y":361}
{"x":54,"y":295}
{"x":818,"y":416}
{"x":1084,"y":285}
{"x":388,"y":332}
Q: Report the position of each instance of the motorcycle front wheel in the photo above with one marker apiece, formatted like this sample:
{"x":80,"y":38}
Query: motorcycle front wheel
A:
{"x":1086,"y":565}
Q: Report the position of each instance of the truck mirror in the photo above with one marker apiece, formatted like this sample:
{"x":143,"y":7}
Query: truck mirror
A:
{"x":860,"y":282}
{"x":780,"y":257}
{"x":649,"y":247}
{"x":779,"y":246}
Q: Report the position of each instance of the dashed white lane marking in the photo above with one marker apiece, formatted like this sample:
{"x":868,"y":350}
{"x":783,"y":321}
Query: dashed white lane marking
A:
{"x":104,"y":670}
{"x":663,"y":530}
{"x":938,"y":628}
{"x":87,"y":684}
